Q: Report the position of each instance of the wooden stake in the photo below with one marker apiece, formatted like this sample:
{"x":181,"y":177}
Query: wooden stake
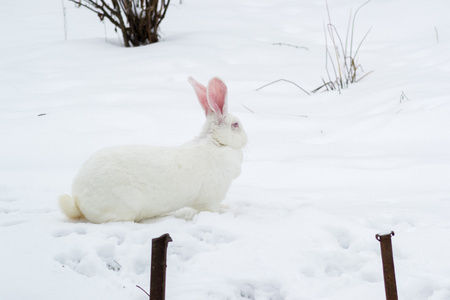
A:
{"x":158,"y":268}
{"x":390,"y":285}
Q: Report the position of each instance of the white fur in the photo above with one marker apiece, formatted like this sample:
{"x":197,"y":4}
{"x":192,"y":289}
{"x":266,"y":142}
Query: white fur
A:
{"x":132,"y":183}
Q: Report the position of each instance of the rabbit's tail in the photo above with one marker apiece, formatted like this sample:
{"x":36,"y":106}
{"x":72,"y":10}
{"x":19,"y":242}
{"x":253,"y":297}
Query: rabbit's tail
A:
{"x":69,"y":207}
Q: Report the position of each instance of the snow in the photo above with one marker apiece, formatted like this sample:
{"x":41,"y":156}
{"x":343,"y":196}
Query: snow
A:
{"x":323,"y":174}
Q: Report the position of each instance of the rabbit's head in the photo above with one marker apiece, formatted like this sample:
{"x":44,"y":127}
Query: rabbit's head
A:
{"x":222,"y":127}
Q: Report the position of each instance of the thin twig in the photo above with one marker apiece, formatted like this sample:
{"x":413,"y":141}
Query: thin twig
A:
{"x":285,"y":81}
{"x":317,"y":89}
{"x":330,"y":27}
{"x":403,"y":97}
{"x":359,"y":46}
{"x":248,"y":108}
{"x":362,"y":77}
{"x":143,"y":291}
{"x":65,"y":20}
{"x":353,"y":25}
{"x":290,"y":45}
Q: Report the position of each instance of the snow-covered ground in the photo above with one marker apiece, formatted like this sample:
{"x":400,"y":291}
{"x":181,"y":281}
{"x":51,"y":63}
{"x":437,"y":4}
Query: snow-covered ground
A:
{"x":322,"y":173}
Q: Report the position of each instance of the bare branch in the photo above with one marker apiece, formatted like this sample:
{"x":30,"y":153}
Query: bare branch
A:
{"x":285,"y":81}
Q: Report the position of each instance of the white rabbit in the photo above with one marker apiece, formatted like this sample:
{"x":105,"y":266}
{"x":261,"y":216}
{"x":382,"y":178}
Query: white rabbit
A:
{"x":132,"y":183}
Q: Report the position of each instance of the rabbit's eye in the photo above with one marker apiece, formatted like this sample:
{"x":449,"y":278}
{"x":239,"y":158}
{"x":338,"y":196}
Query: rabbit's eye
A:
{"x":235,"y":125}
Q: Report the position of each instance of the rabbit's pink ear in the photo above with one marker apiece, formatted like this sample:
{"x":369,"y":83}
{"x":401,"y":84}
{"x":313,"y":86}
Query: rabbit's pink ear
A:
{"x":200,"y":91}
{"x":217,"y":98}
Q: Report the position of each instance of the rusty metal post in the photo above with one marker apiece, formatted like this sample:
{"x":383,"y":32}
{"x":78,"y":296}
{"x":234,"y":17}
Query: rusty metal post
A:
{"x":390,"y":285}
{"x":158,"y":268}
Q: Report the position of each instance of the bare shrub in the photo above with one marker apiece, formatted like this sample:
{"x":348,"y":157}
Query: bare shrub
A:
{"x":138,"y":20}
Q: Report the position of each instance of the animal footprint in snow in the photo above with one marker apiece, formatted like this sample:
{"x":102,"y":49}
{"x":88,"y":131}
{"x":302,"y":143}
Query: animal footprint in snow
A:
{"x":12,"y":222}
{"x":212,"y":236}
{"x":113,"y":265}
{"x":67,"y":232}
